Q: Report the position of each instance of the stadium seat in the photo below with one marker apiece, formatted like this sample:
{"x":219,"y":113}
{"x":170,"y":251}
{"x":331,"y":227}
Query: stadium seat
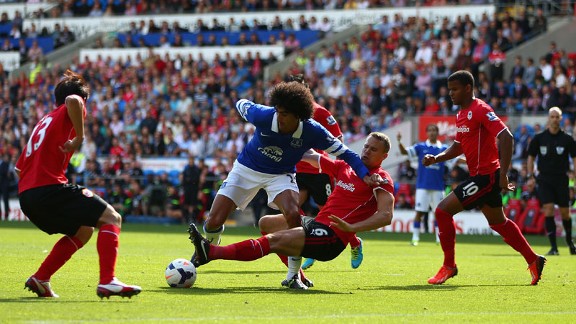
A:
{"x":174,"y":177}
{"x":405,"y":189}
{"x":513,"y":210}
{"x":531,"y":221}
{"x":147,"y":173}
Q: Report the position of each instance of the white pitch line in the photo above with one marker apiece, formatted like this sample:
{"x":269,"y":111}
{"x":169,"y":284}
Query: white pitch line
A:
{"x":287,"y":316}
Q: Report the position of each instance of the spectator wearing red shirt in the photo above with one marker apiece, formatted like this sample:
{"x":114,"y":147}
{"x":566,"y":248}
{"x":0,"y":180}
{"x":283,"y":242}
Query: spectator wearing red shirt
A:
{"x":496,"y":58}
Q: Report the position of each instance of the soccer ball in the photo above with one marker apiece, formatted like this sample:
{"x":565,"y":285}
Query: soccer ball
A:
{"x":180,"y":273}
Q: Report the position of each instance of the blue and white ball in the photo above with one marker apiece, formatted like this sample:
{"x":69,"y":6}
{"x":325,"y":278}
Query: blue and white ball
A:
{"x":180,"y":273}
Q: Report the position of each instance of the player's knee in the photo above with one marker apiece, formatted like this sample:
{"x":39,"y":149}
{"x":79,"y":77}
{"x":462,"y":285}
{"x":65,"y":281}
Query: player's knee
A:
{"x":111,"y":216}
{"x":215,"y":220}
{"x":441,"y":213}
{"x":263,"y":224}
{"x":293,"y":217}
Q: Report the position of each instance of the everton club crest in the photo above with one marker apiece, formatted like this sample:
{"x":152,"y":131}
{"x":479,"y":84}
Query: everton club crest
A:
{"x":296,"y":142}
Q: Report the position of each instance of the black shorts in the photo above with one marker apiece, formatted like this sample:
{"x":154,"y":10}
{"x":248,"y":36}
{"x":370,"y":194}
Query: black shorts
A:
{"x":322,"y":243}
{"x":319,"y":185}
{"x":62,"y":208}
{"x":480,"y":190}
{"x":553,"y":189}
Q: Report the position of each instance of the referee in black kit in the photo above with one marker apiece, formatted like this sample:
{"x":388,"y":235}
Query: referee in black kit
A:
{"x":553,"y":147}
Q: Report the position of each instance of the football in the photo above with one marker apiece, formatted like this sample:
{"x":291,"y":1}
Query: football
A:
{"x":180,"y":273}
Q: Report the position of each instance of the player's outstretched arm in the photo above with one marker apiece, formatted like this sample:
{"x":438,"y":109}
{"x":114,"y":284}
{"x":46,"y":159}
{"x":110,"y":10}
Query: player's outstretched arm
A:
{"x":312,"y":157}
{"x":381,"y":218}
{"x":453,"y":151}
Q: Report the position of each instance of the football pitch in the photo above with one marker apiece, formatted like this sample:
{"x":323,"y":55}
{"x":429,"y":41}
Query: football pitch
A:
{"x":390,"y":286}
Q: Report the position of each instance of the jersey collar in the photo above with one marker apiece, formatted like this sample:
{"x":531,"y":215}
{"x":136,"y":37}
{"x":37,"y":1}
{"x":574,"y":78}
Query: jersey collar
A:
{"x":438,"y":144}
{"x":296,"y":134}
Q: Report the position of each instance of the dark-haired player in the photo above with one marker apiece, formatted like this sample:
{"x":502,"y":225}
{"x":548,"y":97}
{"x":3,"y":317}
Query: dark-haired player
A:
{"x":478,"y":127}
{"x":284,"y":132}
{"x":354,"y":206}
{"x":55,"y":206}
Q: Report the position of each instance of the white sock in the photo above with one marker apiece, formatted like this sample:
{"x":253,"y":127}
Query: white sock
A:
{"x":294,"y":264}
{"x":415,"y":233}
{"x":213,"y":236}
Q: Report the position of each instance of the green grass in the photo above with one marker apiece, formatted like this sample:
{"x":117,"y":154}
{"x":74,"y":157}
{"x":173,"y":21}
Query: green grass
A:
{"x":390,"y":286}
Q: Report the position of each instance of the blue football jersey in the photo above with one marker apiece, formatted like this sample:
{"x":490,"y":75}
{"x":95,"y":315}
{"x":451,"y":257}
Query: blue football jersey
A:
{"x":428,"y":177}
{"x":273,"y":153}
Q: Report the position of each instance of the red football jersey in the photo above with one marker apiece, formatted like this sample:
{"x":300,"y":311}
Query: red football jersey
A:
{"x":42,"y":163}
{"x":352,"y":199}
{"x":476,"y":130}
{"x":325,"y":118}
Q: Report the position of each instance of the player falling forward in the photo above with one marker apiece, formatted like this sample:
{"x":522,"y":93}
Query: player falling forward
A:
{"x":284,"y":132}
{"x":55,"y":206}
{"x":353,"y":207}
{"x":317,"y":185}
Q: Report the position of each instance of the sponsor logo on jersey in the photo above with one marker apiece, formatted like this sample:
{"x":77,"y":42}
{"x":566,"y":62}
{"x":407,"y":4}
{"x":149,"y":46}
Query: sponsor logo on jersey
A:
{"x":345,"y":186}
{"x":462,"y":129}
{"x":492,"y":116}
{"x":272,"y":152}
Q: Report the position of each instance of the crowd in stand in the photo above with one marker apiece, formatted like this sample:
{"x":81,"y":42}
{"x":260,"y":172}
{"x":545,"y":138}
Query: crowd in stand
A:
{"x":96,"y":8}
{"x":179,"y":106}
{"x":15,"y":38}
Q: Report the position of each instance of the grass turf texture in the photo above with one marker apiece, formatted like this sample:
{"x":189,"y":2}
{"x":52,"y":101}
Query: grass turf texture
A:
{"x":390,"y":286}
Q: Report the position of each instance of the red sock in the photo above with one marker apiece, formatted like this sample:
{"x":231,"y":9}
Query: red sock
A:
{"x":283,"y":258}
{"x":242,"y":251}
{"x":107,"y":246}
{"x":354,"y":242}
{"x":512,"y":235}
{"x":447,"y":232}
{"x":61,"y":252}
